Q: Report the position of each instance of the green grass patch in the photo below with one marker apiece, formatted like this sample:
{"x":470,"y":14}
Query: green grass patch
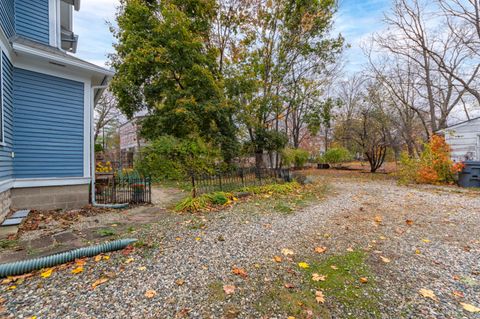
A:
{"x":343,"y":285}
{"x":272,"y":189}
{"x":346,"y":296}
{"x":105,"y":232}
{"x":8,"y":243}
{"x":204,"y":201}
{"x":284,"y":208}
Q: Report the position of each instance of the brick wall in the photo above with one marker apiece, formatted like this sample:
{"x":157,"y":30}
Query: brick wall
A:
{"x":5,"y":201}
{"x":52,"y":197}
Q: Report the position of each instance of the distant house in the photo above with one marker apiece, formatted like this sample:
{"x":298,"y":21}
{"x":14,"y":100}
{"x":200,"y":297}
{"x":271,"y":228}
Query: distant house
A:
{"x":46,"y":103}
{"x":130,"y":141}
{"x":464,"y":140}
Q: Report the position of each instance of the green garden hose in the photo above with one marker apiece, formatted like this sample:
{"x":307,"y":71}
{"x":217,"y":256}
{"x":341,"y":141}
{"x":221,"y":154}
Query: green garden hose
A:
{"x":26,"y":266}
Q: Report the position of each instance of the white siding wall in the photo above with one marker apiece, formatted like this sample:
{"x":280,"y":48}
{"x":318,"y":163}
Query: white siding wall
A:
{"x":464,"y":140}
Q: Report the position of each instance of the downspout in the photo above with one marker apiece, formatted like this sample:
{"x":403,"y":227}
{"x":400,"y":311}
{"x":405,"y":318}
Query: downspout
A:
{"x":92,"y":150}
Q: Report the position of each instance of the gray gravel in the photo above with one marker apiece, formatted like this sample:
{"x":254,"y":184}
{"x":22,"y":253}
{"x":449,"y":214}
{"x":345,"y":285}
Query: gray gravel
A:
{"x":445,"y":230}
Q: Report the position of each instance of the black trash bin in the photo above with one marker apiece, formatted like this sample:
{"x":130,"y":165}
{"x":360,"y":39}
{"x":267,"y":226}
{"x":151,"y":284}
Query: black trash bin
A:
{"x":470,"y":175}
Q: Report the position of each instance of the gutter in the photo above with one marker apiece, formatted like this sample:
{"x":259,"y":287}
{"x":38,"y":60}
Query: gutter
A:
{"x":92,"y":147}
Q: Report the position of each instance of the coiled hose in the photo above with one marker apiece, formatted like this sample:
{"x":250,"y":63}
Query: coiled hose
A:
{"x":26,"y":266}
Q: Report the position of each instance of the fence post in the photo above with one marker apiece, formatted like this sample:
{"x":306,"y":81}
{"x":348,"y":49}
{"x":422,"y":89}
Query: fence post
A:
{"x":194,"y":190}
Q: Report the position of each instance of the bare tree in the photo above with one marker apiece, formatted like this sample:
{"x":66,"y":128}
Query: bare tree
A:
{"x":106,"y":113}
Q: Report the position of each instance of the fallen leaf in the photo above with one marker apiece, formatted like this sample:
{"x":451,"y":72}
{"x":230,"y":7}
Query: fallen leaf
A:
{"x":363,"y":280}
{"x":47,"y":273}
{"x":385,"y":259}
{"x":198,"y":239}
{"x":98,"y":282}
{"x":456,"y":277}
{"x":289,"y":286}
{"x":334,"y":267}
{"x":317,"y":277}
{"x":409,"y":222}
{"x":320,"y":249}
{"x":12,"y":288}
{"x":277,"y":259}
{"x":179,"y":282}
{"x":142,"y":268}
{"x":129,"y":260}
{"x":349,"y":249}
{"x":106,"y":257}
{"x":427,"y":293}
{"x":80,"y":262}
{"x":178,"y":238}
{"x":469,"y":307}
{"x":378,"y":219}
{"x":98,"y":258}
{"x":77,"y":270}
{"x":319,"y":297}
{"x":239,"y":272}
{"x":287,"y":252}
{"x":150,"y":294}
{"x":425,"y":240}
{"x":229,"y":289}
{"x":303,"y":265}
{"x":458,"y":294}
{"x":417,"y":251}
{"x":128,"y":250}
{"x":290,"y":317}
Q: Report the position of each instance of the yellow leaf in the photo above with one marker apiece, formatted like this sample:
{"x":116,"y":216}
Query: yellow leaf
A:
{"x":426,"y":240}
{"x":98,"y":258}
{"x":129,"y":260}
{"x":320,"y":249}
{"x":385,"y":259}
{"x":317,"y":277}
{"x":334,"y":267}
{"x":106,"y":257}
{"x":319,"y":297}
{"x":363,"y":280}
{"x":277,"y":259}
{"x":303,"y":265}
{"x":142,"y":268}
{"x":427,"y":293}
{"x":287,"y":252}
{"x":198,"y":238}
{"x":12,"y":288}
{"x":290,"y":317}
{"x":378,"y":219}
{"x":77,"y":270}
{"x":33,"y":317}
{"x":469,"y":308}
{"x":150,"y":294}
{"x":98,"y":282}
{"x":47,"y":273}
{"x":80,"y":262}
{"x":417,"y":251}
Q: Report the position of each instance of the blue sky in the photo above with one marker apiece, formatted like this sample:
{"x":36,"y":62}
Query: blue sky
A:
{"x":356,"y":20}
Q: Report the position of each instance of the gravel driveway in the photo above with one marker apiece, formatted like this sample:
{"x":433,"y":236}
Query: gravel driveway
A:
{"x":430,"y":235}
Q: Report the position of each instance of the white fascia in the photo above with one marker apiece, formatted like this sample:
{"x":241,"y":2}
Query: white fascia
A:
{"x":54,"y":22}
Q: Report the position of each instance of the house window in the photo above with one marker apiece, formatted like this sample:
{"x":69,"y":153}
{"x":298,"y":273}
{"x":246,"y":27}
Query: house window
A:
{"x":1,"y":98}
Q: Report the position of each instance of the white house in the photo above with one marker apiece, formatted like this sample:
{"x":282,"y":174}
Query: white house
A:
{"x":464,"y":140}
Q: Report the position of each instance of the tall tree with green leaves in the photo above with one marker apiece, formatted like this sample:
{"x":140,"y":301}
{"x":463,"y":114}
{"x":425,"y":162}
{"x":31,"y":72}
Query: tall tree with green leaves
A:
{"x":166,"y":67}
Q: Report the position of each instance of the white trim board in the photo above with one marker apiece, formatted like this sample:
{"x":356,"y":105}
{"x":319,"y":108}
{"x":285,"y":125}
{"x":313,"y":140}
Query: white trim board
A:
{"x":87,"y":128}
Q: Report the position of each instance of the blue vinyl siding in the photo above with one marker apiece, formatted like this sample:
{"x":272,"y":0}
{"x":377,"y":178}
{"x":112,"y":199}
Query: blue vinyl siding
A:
{"x":7,"y":14}
{"x":31,"y":19}
{"x":6,"y":162}
{"x":48,"y":121}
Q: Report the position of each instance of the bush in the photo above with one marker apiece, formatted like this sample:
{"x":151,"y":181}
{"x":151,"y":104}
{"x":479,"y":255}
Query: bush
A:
{"x":433,"y":167}
{"x":335,"y":156}
{"x":172,"y":158}
{"x":298,"y":157}
{"x":204,"y":201}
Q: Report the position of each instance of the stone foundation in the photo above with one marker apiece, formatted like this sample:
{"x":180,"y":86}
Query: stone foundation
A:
{"x":50,"y":197}
{"x":5,"y":202}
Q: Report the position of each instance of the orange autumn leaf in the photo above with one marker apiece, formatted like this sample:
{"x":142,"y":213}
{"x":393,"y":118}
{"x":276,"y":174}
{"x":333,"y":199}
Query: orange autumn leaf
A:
{"x":320,"y":249}
{"x":150,"y":294}
{"x":98,"y":282}
{"x":239,"y":272}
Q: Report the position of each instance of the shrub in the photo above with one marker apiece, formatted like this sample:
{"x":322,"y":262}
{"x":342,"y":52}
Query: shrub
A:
{"x":433,"y":167}
{"x":272,"y":188}
{"x":298,"y":157}
{"x":172,"y":158}
{"x":335,"y":156}
{"x":204,"y":201}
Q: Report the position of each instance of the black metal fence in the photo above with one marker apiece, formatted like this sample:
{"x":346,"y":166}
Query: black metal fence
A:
{"x":121,"y":189}
{"x":235,"y":179}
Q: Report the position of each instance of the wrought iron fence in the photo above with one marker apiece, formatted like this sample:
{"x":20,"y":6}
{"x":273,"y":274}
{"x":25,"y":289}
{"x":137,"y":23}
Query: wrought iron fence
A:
{"x":123,"y":188}
{"x":235,"y":179}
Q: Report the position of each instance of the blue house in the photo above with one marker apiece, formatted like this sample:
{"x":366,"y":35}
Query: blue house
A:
{"x":46,"y":102}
